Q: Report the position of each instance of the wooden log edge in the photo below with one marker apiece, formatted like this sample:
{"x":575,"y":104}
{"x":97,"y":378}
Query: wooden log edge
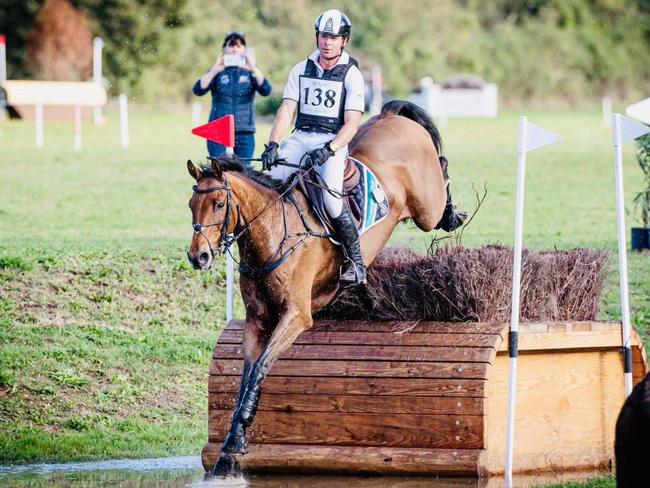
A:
{"x":284,"y":458}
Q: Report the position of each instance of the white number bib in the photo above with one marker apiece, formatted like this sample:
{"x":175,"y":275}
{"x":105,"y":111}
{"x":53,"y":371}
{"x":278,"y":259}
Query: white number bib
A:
{"x":320,"y":97}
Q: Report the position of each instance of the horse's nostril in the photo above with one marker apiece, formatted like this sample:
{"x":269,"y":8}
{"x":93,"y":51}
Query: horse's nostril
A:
{"x":204,"y":257}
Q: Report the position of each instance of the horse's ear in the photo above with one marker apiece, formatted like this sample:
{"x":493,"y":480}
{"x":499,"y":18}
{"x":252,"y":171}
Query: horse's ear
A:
{"x":217,"y":168}
{"x":194,"y":171}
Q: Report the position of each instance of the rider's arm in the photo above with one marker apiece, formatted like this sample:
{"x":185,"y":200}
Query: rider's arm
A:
{"x":348,"y":131}
{"x":202,"y":86}
{"x":283,"y":119}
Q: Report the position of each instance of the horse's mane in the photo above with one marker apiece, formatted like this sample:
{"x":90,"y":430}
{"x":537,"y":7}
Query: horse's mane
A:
{"x":233,"y":163}
{"x":416,"y":114}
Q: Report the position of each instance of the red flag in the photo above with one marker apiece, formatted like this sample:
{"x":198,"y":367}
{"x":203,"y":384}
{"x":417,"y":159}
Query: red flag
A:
{"x":221,"y":131}
{"x":3,"y":39}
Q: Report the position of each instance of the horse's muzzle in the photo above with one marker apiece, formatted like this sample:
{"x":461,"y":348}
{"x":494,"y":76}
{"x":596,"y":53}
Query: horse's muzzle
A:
{"x":201,"y":261}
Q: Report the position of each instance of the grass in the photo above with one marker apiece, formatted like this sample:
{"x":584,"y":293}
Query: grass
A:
{"x":106,"y":332}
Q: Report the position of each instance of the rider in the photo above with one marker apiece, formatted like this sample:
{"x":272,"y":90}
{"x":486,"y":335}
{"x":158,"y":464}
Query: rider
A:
{"x":328,"y":90}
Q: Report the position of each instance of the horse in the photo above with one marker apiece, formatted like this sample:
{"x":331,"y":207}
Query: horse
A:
{"x":632,"y":433}
{"x":287,"y":277}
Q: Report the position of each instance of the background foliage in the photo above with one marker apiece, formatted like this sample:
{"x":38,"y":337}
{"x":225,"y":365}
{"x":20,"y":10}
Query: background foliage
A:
{"x":541,"y":50}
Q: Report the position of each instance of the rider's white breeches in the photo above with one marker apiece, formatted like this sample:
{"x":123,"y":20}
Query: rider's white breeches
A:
{"x":294,"y":148}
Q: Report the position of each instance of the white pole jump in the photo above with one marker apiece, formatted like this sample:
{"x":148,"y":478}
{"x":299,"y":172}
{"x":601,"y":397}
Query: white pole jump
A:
{"x":124,"y":121}
{"x":377,"y":96}
{"x":530,"y":137}
{"x":77,"y":127}
{"x":197,"y":108}
{"x":98,"y":45}
{"x":607,"y":111}
{"x":624,"y":130}
{"x":3,"y":59}
{"x":38,"y":112}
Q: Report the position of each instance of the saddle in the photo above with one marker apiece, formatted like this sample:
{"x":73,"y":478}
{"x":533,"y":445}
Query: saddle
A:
{"x":362,"y":193}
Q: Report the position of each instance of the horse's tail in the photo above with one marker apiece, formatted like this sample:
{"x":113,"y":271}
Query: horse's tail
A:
{"x":452,"y":218}
{"x":416,"y":114}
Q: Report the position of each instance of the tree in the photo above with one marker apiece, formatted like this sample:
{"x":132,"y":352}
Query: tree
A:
{"x":59,"y":46}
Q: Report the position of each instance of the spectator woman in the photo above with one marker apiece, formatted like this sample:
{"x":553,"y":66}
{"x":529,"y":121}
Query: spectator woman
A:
{"x":233,"y":81}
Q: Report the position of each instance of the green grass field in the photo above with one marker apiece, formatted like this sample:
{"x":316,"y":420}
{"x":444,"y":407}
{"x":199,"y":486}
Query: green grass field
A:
{"x":106,"y":331}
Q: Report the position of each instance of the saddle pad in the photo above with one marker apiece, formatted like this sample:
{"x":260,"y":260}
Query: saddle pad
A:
{"x":369,"y":197}
{"x":362,"y":192}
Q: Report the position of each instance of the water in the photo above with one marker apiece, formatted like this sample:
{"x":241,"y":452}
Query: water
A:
{"x":188,"y":472}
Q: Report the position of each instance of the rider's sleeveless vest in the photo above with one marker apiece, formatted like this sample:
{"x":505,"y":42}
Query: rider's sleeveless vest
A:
{"x":322,"y":99}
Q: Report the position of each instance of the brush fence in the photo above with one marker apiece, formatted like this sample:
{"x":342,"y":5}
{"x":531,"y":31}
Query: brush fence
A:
{"x":428,"y":398}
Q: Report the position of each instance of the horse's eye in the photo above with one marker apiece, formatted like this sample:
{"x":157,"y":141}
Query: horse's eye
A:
{"x":219,"y":205}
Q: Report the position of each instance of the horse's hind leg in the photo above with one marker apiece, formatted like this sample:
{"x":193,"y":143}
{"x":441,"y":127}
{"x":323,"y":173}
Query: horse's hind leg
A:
{"x":291,"y":324}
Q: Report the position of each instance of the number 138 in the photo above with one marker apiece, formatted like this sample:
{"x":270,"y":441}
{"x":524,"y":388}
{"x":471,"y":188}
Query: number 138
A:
{"x":318,"y":97}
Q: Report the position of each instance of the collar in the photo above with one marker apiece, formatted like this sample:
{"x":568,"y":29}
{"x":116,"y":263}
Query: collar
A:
{"x":344,"y":59}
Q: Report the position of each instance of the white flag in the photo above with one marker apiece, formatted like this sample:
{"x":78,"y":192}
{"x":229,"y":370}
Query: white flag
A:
{"x":640,"y":111}
{"x":532,"y":137}
{"x":626,"y":129}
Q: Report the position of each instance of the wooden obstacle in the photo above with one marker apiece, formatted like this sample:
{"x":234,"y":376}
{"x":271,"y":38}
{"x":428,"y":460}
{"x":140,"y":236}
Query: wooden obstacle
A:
{"x":428,"y":398}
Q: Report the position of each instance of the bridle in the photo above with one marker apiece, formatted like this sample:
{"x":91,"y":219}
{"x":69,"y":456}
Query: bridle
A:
{"x":226,"y":240}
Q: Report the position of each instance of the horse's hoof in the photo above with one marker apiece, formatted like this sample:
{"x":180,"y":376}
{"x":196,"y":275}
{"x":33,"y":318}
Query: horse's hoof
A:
{"x":225,"y":467}
{"x":235,"y":444}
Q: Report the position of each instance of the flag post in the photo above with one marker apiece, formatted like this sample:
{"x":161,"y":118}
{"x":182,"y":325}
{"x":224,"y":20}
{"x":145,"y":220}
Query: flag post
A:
{"x":624,"y":130}
{"x":98,"y":45}
{"x":530,"y":137}
{"x":230,"y":267}
{"x":3,"y":59}
{"x":124,"y":120}
{"x":222,"y":131}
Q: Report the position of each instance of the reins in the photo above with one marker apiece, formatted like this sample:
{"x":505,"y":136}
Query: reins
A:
{"x":226,"y":241}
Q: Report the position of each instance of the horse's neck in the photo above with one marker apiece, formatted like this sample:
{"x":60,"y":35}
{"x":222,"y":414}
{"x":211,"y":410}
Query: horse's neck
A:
{"x":260,"y":211}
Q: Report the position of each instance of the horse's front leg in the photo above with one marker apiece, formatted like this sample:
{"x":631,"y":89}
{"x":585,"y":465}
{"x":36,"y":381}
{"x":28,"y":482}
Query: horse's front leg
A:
{"x":291,"y":324}
{"x":235,"y":442}
{"x":253,"y":343}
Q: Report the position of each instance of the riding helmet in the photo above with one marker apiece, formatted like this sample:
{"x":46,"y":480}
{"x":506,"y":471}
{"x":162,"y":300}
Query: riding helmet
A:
{"x":333,"y":22}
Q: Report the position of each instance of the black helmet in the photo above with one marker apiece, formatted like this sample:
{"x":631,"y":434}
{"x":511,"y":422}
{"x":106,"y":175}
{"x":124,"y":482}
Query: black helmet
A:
{"x":333,"y":22}
{"x":233,"y":37}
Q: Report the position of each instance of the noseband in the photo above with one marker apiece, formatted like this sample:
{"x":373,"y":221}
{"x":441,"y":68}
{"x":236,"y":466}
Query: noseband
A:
{"x":224,"y":241}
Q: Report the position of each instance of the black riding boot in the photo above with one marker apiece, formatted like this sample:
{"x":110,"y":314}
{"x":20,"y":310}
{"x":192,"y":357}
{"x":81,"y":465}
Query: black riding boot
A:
{"x":353,"y":271}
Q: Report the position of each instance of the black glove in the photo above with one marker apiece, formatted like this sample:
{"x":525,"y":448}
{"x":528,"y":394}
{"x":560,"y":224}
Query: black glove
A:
{"x":270,"y":155}
{"x":320,"y":155}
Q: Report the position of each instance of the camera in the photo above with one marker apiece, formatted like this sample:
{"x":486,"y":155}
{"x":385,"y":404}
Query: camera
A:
{"x":233,"y":60}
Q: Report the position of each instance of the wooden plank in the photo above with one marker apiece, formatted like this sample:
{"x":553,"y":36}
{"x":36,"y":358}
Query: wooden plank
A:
{"x":639,"y":358}
{"x":567,"y":405}
{"x":345,"y":459}
{"x":356,"y":386}
{"x":639,"y":365}
{"x":361,"y":352}
{"x":379,"y":338}
{"x":379,"y":369}
{"x":567,"y":340}
{"x":421,"y":326}
{"x":357,"y":404}
{"x":334,"y":429}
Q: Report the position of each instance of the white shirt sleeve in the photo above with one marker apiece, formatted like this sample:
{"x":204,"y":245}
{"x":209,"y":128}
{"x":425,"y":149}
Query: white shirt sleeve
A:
{"x":355,"y":89}
{"x":292,"y":88}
